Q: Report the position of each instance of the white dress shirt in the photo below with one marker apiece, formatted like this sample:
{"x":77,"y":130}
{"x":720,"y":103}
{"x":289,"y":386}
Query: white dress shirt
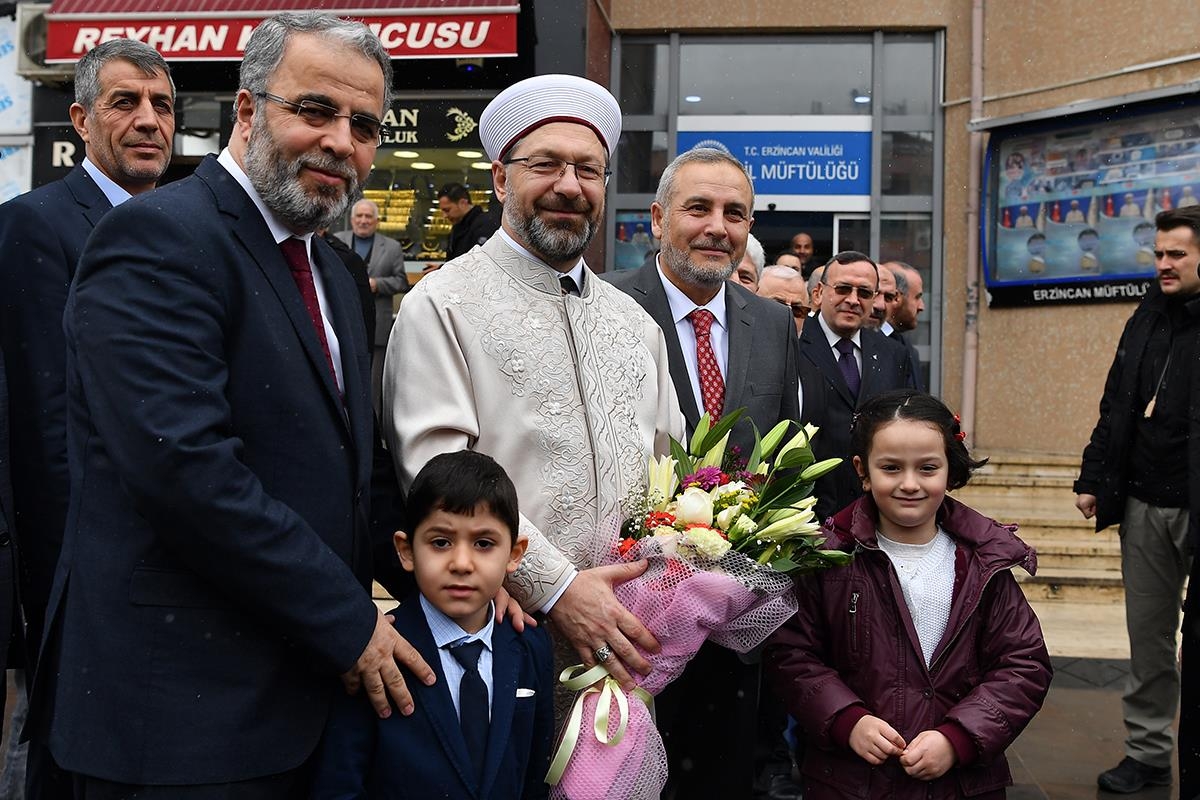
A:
{"x":718,"y":335}
{"x":115,"y":194}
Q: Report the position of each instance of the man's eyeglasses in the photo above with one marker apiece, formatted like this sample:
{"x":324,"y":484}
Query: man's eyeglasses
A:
{"x":798,"y":309}
{"x":364,"y":128}
{"x":546,"y":167}
{"x":844,"y":289}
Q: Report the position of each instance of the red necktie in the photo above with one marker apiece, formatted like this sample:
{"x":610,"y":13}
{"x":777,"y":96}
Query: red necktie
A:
{"x":296,"y":255}
{"x":712,"y":385}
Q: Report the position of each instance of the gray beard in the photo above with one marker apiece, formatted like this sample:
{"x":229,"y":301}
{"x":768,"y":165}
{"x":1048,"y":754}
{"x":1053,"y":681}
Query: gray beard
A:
{"x":277,"y":182}
{"x":552,"y":244}
{"x":691,"y":274}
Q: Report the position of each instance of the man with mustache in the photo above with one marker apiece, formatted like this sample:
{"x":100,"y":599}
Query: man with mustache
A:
{"x":1141,"y":470}
{"x":124,"y":111}
{"x":886,"y":300}
{"x":213,"y":580}
{"x":728,"y":349}
{"x":517,"y":350}
{"x":842,"y":364}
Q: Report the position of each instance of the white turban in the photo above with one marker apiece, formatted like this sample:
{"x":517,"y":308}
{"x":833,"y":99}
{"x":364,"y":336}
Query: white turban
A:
{"x":543,"y":99}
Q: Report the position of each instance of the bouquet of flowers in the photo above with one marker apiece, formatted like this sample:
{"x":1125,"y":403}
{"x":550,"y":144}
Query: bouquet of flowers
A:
{"x":723,"y":538}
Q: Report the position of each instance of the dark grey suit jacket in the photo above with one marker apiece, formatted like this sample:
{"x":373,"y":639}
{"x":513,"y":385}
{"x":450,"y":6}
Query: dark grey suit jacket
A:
{"x":762,"y":354}
{"x":385,"y":263}
{"x":829,"y":405}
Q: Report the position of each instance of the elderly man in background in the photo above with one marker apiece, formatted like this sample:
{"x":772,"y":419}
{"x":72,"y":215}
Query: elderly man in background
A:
{"x":386,"y":276}
{"x":912,"y":295}
{"x":517,"y":350}
{"x":751,"y":266}
{"x":785,"y":285}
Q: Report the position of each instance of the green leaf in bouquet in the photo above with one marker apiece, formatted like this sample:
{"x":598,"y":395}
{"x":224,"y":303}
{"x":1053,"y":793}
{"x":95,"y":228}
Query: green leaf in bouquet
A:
{"x":755,"y":452}
{"x":716,"y":456}
{"x":814,"y":471}
{"x":773,"y":438}
{"x":783,"y":493}
{"x":699,"y":434}
{"x":683,"y":461}
{"x":798,"y":457}
{"x":714,"y":434}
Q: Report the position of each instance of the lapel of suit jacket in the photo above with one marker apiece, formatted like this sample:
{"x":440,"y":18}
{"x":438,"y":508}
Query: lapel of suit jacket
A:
{"x":815,"y":347}
{"x":654,"y":299}
{"x":433,"y":702}
{"x":251,"y":230}
{"x":871,"y":375}
{"x":741,"y":335}
{"x":89,"y":196}
{"x":506,"y":674}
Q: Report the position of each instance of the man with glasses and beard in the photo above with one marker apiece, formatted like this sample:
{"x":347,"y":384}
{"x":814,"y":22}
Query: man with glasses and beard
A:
{"x":213,"y":580}
{"x":842,"y":364}
{"x":728,"y":349}
{"x":516,"y":350}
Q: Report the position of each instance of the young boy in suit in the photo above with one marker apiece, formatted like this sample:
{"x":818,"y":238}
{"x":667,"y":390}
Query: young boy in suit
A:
{"x":484,"y":728}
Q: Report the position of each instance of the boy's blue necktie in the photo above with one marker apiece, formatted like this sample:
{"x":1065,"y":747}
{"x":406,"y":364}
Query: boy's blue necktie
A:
{"x":474,"y":715}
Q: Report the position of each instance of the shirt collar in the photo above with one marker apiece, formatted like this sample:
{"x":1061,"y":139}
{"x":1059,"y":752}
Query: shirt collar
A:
{"x":576,"y":272}
{"x":446,"y":631}
{"x":278,"y":230}
{"x":681,"y":306}
{"x":833,"y":338}
{"x":115,"y":194}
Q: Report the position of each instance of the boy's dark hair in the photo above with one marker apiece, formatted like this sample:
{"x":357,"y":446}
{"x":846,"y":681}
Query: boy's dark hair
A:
{"x":458,"y":483}
{"x":1186,"y":217}
{"x":910,"y":404}
{"x":454,"y":192}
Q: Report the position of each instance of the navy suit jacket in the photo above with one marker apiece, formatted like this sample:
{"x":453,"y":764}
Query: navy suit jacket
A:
{"x":10,"y":632}
{"x":829,"y":405}
{"x":42,"y":234}
{"x":424,"y":756}
{"x":761,"y":362}
{"x":212,"y":580}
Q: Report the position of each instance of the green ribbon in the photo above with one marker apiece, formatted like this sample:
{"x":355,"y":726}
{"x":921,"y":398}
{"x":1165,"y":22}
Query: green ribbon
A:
{"x":592,"y":681}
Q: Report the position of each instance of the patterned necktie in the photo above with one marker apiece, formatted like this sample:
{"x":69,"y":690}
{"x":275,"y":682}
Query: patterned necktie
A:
{"x":849,"y":366}
{"x":568,"y":285}
{"x":296,"y":256}
{"x":712,"y":385}
{"x":474,"y":713}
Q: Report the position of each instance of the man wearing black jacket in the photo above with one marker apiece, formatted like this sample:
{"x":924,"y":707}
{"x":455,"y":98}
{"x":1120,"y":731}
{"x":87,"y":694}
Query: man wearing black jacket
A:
{"x":1134,"y":473}
{"x":472,"y":225}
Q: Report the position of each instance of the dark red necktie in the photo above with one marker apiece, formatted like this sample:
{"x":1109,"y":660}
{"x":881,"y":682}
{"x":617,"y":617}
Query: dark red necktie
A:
{"x":296,"y":255}
{"x":712,"y":385}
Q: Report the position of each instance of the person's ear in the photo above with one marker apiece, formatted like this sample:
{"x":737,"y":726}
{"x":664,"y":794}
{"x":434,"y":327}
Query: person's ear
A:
{"x":861,"y":470}
{"x":404,"y":550}
{"x":520,"y":545}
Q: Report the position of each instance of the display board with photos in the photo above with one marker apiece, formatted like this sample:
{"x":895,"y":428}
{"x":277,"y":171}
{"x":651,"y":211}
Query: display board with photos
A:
{"x":1071,"y":206}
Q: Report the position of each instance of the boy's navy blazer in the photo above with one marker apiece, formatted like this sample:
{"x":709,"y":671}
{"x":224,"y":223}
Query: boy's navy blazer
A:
{"x":424,"y":756}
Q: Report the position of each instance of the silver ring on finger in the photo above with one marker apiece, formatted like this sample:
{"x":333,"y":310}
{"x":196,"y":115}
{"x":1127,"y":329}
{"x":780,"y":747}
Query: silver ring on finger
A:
{"x":603,"y":654}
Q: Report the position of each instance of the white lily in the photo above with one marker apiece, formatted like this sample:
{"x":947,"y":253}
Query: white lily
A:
{"x":663,"y":482}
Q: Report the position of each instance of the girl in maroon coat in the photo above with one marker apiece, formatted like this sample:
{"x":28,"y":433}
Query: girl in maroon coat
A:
{"x":913,"y":668}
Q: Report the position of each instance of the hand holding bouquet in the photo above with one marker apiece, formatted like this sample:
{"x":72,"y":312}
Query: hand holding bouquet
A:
{"x":723,"y":538}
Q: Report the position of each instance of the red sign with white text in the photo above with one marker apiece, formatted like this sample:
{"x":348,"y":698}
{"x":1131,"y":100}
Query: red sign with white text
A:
{"x":224,"y":38}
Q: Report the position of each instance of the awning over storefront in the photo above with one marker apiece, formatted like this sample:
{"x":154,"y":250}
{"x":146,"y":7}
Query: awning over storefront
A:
{"x":217,"y":30}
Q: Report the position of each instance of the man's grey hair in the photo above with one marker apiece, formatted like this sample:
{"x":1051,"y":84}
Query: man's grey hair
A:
{"x":814,"y":278}
{"x":374,"y":206}
{"x":754,"y":249}
{"x":267,"y":44}
{"x":698,"y":155}
{"x":900,"y":272}
{"x":139,"y":54}
{"x":783,"y":273}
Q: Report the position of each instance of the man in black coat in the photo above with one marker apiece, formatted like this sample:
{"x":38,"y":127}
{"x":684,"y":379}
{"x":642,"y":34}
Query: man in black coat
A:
{"x":843,"y":364}
{"x":472,"y":225}
{"x":1140,"y":470}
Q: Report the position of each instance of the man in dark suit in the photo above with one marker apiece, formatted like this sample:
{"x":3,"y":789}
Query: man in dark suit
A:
{"x":472,"y":225}
{"x":124,"y":112}
{"x":727,"y":348}
{"x":387,"y":278}
{"x":10,"y":626}
{"x":842,"y":364}
{"x":220,"y":431}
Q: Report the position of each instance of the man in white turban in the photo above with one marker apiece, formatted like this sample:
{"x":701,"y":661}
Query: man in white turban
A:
{"x":517,"y":350}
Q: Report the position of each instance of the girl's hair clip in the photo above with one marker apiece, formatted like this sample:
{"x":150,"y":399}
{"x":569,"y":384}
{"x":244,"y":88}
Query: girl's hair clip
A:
{"x":960,"y":436}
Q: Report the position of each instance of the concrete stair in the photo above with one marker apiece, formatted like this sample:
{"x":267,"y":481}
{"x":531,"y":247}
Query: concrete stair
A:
{"x":1075,"y":564}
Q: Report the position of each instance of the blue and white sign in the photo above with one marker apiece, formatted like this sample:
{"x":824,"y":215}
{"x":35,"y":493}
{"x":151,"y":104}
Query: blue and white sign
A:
{"x":799,"y":163}
{"x":16,"y":93}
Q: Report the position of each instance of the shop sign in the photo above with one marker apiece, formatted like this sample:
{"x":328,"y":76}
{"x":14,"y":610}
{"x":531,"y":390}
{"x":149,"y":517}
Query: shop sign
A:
{"x":433,"y":123}
{"x":224,"y":39}
{"x":799,"y":163}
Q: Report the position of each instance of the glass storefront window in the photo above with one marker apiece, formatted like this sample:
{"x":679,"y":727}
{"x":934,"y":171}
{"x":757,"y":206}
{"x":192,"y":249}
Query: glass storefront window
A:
{"x":644,"y":78}
{"x":907,"y":162}
{"x":642,"y":156}
{"x":785,"y":78}
{"x":907,"y":81}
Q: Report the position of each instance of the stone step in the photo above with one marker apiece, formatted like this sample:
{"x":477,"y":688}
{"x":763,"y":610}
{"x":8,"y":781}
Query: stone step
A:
{"x":1071,"y":584}
{"x":1077,"y":554}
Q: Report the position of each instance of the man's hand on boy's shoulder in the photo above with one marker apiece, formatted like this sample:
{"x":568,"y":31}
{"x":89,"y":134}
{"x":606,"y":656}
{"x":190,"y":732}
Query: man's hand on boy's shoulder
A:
{"x":378,"y":671}
{"x":507,"y":606}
